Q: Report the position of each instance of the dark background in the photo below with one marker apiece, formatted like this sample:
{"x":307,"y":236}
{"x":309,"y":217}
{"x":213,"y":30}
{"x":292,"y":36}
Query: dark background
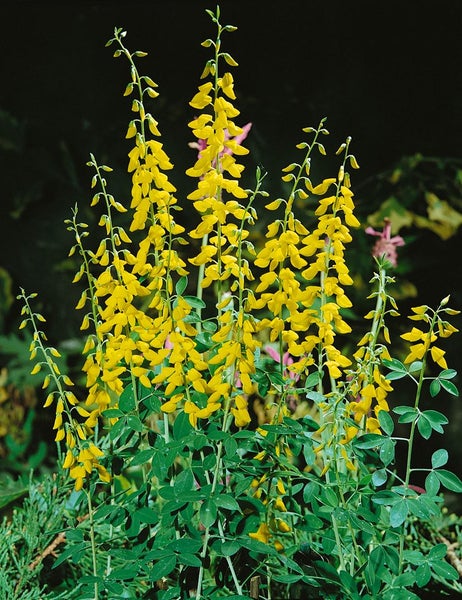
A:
{"x":387,"y":73}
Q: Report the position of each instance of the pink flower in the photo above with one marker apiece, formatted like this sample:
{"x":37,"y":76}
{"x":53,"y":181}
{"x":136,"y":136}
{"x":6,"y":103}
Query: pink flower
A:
{"x":386,"y":245}
{"x":202,"y":144}
{"x":286,"y":360}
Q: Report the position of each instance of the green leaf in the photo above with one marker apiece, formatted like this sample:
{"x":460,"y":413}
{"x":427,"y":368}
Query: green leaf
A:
{"x":312,"y":380}
{"x":181,"y":285}
{"x":447,"y":374}
{"x":392,"y":559}
{"x":394,"y":375}
{"x":379,"y":477}
{"x":230,"y":447}
{"x":74,"y":552}
{"x":181,"y":426}
{"x":387,"y":451}
{"x":386,"y":422}
{"x":134,"y":423}
{"x":329,"y":497}
{"x":415,"y":366}
{"x":184,"y":482}
{"x":439,"y":458}
{"x":438,"y":552}
{"x":402,"y":410}
{"x":191,"y":560}
{"x":229,"y":548}
{"x":368,"y":441}
{"x":436,"y":419}
{"x":112,"y":413}
{"x":444,"y":570}
{"x":194,"y":301}
{"x":185,"y":544}
{"x":424,"y":427}
{"x":399,"y":513}
{"x":312,"y":523}
{"x":208,"y":513}
{"x":377,"y":558}
{"x":394,"y":365}
{"x":348,"y":582}
{"x":435,"y":387}
{"x":287,"y":578}
{"x":423,"y":575}
{"x":163,"y":567}
{"x":401,"y":583}
{"x":147,"y":515}
{"x":450,"y":481}
{"x":409,"y":416}
{"x":127,"y":400}
{"x":432,"y":484}
{"x":204,"y":341}
{"x":415,"y":557}
{"x":449,"y":387}
{"x":142,"y":457}
{"x":228,"y":502}
{"x":315,"y":396}
{"x":124,"y":574}
{"x":385,"y":497}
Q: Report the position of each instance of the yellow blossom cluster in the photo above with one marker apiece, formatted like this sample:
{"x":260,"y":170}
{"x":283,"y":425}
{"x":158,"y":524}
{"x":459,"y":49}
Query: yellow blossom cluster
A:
{"x":369,"y":399}
{"x":222,"y":232}
{"x":422,"y":341}
{"x":82,"y":456}
{"x":271,"y":493}
{"x":304,"y":273}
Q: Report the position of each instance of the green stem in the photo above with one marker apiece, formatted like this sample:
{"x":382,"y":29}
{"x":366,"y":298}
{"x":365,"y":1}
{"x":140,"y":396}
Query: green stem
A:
{"x":214,"y":482}
{"x":410,"y":446}
{"x":92,"y":543}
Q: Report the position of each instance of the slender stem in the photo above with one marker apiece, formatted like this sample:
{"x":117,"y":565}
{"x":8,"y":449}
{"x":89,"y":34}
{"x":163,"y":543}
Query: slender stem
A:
{"x":410,"y":447}
{"x":93,"y":543}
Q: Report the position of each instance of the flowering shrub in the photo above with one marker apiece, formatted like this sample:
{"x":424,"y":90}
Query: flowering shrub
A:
{"x":225,"y":444}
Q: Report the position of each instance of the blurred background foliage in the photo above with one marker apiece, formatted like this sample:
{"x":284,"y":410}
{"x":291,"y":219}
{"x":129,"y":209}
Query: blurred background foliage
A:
{"x":395,"y":88}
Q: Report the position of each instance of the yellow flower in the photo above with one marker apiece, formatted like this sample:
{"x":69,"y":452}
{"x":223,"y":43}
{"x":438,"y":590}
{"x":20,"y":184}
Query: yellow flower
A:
{"x":262,"y":534}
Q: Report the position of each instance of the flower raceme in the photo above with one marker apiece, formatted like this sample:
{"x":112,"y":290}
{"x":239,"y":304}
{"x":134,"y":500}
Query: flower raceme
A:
{"x":307,"y":269}
{"x":222,"y":233}
{"x":422,"y":339}
{"x":71,"y":420}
